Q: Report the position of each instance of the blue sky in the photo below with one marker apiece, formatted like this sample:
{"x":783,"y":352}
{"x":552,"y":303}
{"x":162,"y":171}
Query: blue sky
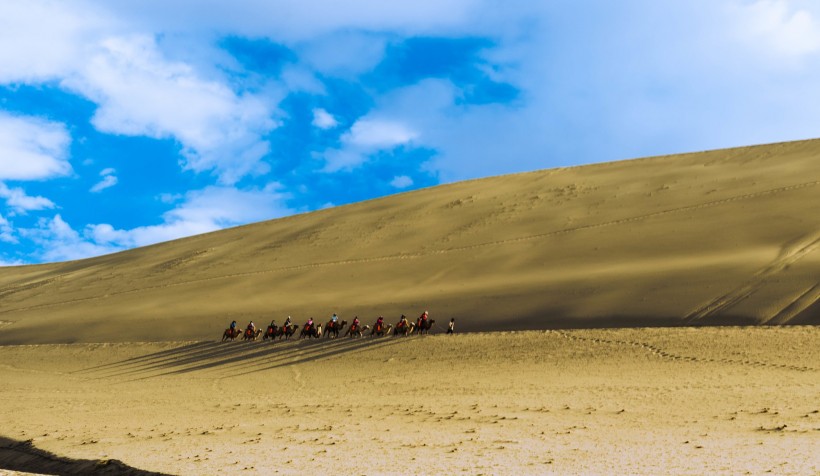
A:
{"x":124,"y":124}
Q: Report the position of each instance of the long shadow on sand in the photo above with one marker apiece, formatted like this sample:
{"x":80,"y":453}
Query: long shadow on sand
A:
{"x":24,"y":456}
{"x":234,"y":358}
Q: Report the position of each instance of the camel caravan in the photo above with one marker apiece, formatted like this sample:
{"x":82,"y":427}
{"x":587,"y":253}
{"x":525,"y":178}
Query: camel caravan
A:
{"x":332,"y":329}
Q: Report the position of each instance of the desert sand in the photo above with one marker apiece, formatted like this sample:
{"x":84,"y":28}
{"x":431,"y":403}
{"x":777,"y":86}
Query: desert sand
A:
{"x":652,"y":316}
{"x":739,"y":400}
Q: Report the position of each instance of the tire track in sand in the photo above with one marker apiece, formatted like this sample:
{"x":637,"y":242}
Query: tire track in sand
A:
{"x":425,"y":253}
{"x":654,"y":350}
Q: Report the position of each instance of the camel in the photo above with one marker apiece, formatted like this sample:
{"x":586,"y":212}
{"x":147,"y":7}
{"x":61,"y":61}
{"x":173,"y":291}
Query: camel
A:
{"x":251,"y":334}
{"x":314,"y":331}
{"x":333,"y":328}
{"x":381,"y":331}
{"x":404,"y":330}
{"x":422,"y":328}
{"x":270,"y":333}
{"x":356,"y":331}
{"x":231,"y":334}
{"x":287,"y":331}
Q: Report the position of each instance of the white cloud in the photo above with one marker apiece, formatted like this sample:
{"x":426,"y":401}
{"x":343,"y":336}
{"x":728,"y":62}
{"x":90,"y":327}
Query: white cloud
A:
{"x":342,"y":159}
{"x":44,"y":40}
{"x":32,"y":148}
{"x":202,"y":211}
{"x":139,"y":92}
{"x":378,"y":133}
{"x":57,"y":241}
{"x":17,"y":199}
{"x":7,"y":231}
{"x":299,"y":20}
{"x":344,"y":54}
{"x":779,"y":26}
{"x":323,"y":119}
{"x":170,"y":197}
{"x":401,"y":181}
{"x":367,"y":136}
{"x":108,"y":180}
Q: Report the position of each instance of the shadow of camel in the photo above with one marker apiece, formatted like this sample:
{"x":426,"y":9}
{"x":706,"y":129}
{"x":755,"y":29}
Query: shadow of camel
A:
{"x":247,"y":356}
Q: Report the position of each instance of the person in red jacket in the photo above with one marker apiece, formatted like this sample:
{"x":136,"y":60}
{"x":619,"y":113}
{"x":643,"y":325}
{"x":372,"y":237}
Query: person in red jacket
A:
{"x":422,"y":322}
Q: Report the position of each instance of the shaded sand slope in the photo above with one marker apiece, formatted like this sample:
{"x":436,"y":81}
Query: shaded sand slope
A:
{"x":712,"y":400}
{"x":721,"y":237}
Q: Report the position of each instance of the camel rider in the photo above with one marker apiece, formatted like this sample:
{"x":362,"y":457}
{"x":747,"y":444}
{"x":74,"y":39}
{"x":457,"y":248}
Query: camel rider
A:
{"x":379,"y":324}
{"x":309,"y":324}
{"x":334,"y":319}
{"x":402,"y":322}
{"x":355,"y":324}
{"x":233,"y":326}
{"x":423,"y":320}
{"x":251,"y":326}
{"x":287,"y":322}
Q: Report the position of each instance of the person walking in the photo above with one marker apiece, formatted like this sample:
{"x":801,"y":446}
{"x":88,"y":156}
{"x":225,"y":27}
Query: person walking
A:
{"x":451,"y":327}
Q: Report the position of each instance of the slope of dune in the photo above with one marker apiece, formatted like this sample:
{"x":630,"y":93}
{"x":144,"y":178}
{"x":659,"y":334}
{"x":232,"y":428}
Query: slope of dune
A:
{"x":720,"y":237}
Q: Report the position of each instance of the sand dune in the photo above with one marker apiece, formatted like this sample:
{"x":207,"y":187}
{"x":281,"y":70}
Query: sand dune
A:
{"x":721,"y":237}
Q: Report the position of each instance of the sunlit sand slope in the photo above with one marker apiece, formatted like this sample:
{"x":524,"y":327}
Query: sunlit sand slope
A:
{"x":721,"y":237}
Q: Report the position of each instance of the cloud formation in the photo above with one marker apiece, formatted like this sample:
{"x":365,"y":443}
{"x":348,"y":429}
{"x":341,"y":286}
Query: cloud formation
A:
{"x":20,"y":202}
{"x":401,"y":181}
{"x":108,"y":181}
{"x":32,"y":148}
{"x":323,"y":119}
{"x":201,"y":211}
{"x":141,"y":93}
{"x":780,"y":28}
{"x":367,"y":136}
{"x":57,"y":241}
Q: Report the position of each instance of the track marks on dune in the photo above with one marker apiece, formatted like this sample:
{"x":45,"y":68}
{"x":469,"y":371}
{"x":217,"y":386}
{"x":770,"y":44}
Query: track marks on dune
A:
{"x":27,"y":285}
{"x":184,"y":260}
{"x":659,"y":352}
{"x":434,"y":252}
{"x":797,"y":306}
{"x":789,"y":255}
{"x":635,"y":218}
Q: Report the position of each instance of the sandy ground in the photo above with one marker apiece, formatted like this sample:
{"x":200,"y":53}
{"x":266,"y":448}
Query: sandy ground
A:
{"x":738,"y":400}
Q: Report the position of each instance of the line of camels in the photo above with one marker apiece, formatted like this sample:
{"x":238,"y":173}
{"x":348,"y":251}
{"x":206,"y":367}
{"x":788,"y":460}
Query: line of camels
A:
{"x":331,"y":330}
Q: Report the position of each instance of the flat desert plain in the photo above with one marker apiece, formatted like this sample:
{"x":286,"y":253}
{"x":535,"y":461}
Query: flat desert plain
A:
{"x":626,"y":401}
{"x":652,"y":316}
